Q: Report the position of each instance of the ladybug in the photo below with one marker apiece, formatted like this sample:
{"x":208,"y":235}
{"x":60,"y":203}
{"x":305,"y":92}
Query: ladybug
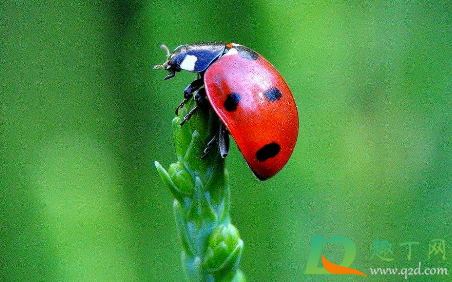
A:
{"x":248,"y":94}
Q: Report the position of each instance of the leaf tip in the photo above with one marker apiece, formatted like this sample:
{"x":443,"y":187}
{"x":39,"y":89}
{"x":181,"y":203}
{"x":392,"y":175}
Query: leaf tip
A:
{"x":157,"y":164}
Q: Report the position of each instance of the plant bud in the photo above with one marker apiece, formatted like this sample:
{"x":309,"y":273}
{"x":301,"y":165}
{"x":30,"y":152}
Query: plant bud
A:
{"x":181,"y":178}
{"x":224,"y":250}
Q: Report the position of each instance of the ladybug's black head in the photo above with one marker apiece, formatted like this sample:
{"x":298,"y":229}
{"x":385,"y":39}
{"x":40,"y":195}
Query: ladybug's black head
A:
{"x":173,"y":61}
{"x":194,"y":58}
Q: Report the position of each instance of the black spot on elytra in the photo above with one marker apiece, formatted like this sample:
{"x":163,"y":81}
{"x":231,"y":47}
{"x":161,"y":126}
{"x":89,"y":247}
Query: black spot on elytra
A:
{"x":267,"y":152}
{"x":231,"y":102}
{"x":247,"y":53}
{"x":273,"y":94}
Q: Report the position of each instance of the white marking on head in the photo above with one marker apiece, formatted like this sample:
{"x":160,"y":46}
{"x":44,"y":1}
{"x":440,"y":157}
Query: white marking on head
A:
{"x":231,"y":51}
{"x":189,"y":63}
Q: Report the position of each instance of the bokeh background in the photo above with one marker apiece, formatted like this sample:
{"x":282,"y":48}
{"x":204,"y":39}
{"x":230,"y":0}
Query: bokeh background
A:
{"x":84,"y":117}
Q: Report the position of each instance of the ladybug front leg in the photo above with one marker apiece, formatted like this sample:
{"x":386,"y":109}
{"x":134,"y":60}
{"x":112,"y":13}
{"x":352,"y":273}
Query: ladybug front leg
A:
{"x":199,"y":100}
{"x":188,"y":92}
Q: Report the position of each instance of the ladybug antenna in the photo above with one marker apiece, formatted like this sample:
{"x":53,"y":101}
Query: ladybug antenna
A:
{"x":168,"y":53}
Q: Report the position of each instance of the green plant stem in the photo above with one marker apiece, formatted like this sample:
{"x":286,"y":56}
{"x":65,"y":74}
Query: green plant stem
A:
{"x":212,"y":247}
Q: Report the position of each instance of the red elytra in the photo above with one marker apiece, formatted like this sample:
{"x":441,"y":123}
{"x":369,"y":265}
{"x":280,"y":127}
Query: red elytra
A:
{"x":257,"y":107}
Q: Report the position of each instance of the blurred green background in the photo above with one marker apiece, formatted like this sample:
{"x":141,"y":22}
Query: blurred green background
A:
{"x":84,"y":116}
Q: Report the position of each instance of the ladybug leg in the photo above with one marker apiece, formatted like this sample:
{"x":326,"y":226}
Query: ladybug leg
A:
{"x":199,"y":97}
{"x":190,"y":113}
{"x":188,"y":92}
{"x":209,"y":146}
{"x":222,"y":138}
{"x":170,"y":75}
{"x":223,"y":141}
